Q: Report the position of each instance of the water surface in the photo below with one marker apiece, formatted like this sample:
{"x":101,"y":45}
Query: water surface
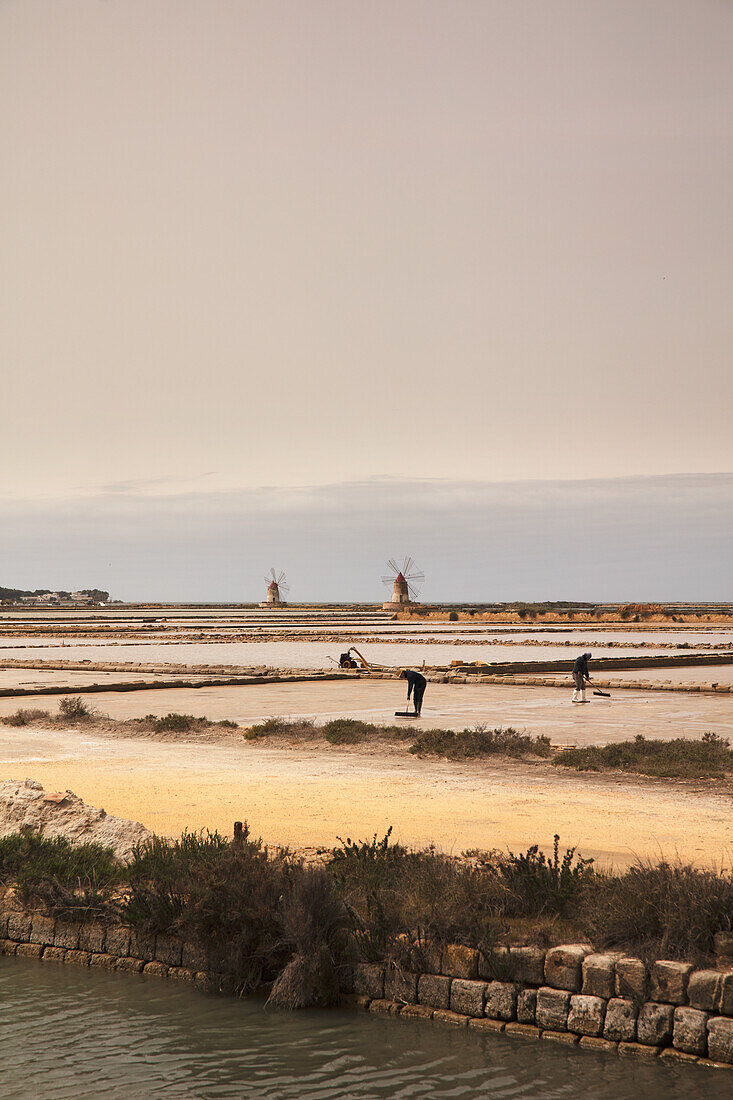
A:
{"x":83,"y":1034}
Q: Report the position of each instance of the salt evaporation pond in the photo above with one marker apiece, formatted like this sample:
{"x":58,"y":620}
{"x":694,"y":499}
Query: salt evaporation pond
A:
{"x":68,"y":1033}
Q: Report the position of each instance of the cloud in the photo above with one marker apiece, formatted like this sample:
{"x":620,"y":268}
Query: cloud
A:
{"x":666,"y":538}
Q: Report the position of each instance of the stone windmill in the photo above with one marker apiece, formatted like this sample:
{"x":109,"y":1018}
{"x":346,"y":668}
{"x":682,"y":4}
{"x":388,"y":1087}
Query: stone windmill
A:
{"x":275,"y":587}
{"x":404,"y":580}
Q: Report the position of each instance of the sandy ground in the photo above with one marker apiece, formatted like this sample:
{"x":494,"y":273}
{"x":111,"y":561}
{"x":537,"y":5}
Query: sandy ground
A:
{"x":311,"y":796}
{"x":451,"y":706}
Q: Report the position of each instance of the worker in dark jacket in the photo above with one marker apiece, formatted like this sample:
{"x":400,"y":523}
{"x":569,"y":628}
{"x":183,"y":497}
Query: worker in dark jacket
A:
{"x":415,"y":686}
{"x":581,"y":677}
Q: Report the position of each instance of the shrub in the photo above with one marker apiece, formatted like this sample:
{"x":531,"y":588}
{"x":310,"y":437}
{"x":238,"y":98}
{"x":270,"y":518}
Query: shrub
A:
{"x":479,"y":741}
{"x":350,"y":731}
{"x":68,"y":879}
{"x":538,"y":885}
{"x":223,"y":896}
{"x":453,"y":617}
{"x":23,"y":716}
{"x":175,"y":723}
{"x":73,"y":708}
{"x":665,"y":910}
{"x":681,"y":757}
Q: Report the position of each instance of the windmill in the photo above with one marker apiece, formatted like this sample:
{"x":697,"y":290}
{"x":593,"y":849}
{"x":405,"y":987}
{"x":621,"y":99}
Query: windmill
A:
{"x":275,"y":586}
{"x":404,"y":580}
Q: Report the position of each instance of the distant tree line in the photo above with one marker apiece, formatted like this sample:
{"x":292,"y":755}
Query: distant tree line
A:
{"x":95,"y":594}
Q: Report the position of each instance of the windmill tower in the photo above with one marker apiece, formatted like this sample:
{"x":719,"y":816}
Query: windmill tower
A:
{"x":404,"y":580}
{"x":275,"y":587}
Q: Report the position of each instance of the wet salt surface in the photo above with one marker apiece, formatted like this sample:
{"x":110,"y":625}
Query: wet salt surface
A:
{"x":313,"y":655}
{"x":538,"y":710}
{"x":68,"y":1033}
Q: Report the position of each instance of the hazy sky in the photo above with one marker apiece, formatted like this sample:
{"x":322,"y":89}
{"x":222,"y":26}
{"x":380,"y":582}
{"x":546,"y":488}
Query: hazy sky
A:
{"x":320,"y":244}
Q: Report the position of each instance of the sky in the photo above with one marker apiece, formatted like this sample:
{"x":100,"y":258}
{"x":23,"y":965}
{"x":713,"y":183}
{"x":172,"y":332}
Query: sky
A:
{"x":315,"y":284}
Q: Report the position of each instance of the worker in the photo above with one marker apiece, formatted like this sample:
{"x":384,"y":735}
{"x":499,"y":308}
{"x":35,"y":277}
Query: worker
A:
{"x":580,"y":677}
{"x":416,"y":685}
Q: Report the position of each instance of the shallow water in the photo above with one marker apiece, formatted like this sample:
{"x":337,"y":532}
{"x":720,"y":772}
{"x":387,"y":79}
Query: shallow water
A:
{"x":68,"y":1033}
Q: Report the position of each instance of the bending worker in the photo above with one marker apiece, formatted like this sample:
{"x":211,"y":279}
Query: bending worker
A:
{"x":415,"y":683}
{"x":580,"y":677}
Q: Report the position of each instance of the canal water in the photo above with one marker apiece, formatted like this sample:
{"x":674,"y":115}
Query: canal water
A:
{"x":68,"y":1033}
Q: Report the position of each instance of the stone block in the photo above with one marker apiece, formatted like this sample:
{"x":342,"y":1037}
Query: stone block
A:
{"x":637,"y":1050}
{"x":620,"y":1022}
{"x":369,"y":980}
{"x":467,"y":997}
{"x":459,"y":961}
{"x":599,"y":975}
{"x":142,"y":946}
{"x":129,"y":965}
{"x":703,"y":989}
{"x":4,"y":925}
{"x":29,"y":950}
{"x":724,"y":946}
{"x":118,"y":940}
{"x":669,"y":981}
{"x":485,"y":1024}
{"x":522,"y":1031}
{"x":19,"y":927}
{"x":654,"y":1024}
{"x":181,"y":974}
{"x":102,"y":960}
{"x":155,"y":970}
{"x":689,"y":1032}
{"x":589,"y":1042}
{"x":526,"y":1006}
{"x":381,"y":1006}
{"x":501,"y":1000}
{"x":168,"y":950}
{"x":720,"y":1039}
{"x":632,"y":979}
{"x":564,"y":1037}
{"x":42,"y":929}
{"x":434,"y":990}
{"x":586,"y":1015}
{"x":77,"y":958}
{"x":418,"y":1012}
{"x":91,"y":938}
{"x":66,"y":934}
{"x":552,"y":1009}
{"x":453,"y":1019}
{"x":345,"y":976}
{"x":670,"y":1055}
{"x":54,"y":954}
{"x":402,"y":986}
{"x":725,"y":995}
{"x":527,"y":965}
{"x":494,"y":965}
{"x":8,"y":947}
{"x":196,"y":957}
{"x":563,"y":966}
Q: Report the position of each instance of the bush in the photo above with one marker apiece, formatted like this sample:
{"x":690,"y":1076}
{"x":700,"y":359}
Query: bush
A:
{"x":479,"y":741}
{"x":24,"y":716}
{"x":175,"y":723}
{"x":68,"y":879}
{"x":680,"y":758}
{"x":538,"y":885}
{"x":350,"y":731}
{"x":73,"y":708}
{"x":453,"y":617}
{"x":665,"y":911}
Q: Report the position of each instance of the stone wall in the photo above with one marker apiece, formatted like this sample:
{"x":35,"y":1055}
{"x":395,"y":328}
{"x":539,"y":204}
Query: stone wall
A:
{"x":568,"y":994}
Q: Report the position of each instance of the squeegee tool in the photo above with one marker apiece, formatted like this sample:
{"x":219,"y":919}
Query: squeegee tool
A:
{"x":605,"y":694}
{"x":405,"y":714}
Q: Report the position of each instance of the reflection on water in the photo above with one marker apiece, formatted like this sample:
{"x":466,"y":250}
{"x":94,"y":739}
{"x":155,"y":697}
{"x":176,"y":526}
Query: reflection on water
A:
{"x":66,"y":1033}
